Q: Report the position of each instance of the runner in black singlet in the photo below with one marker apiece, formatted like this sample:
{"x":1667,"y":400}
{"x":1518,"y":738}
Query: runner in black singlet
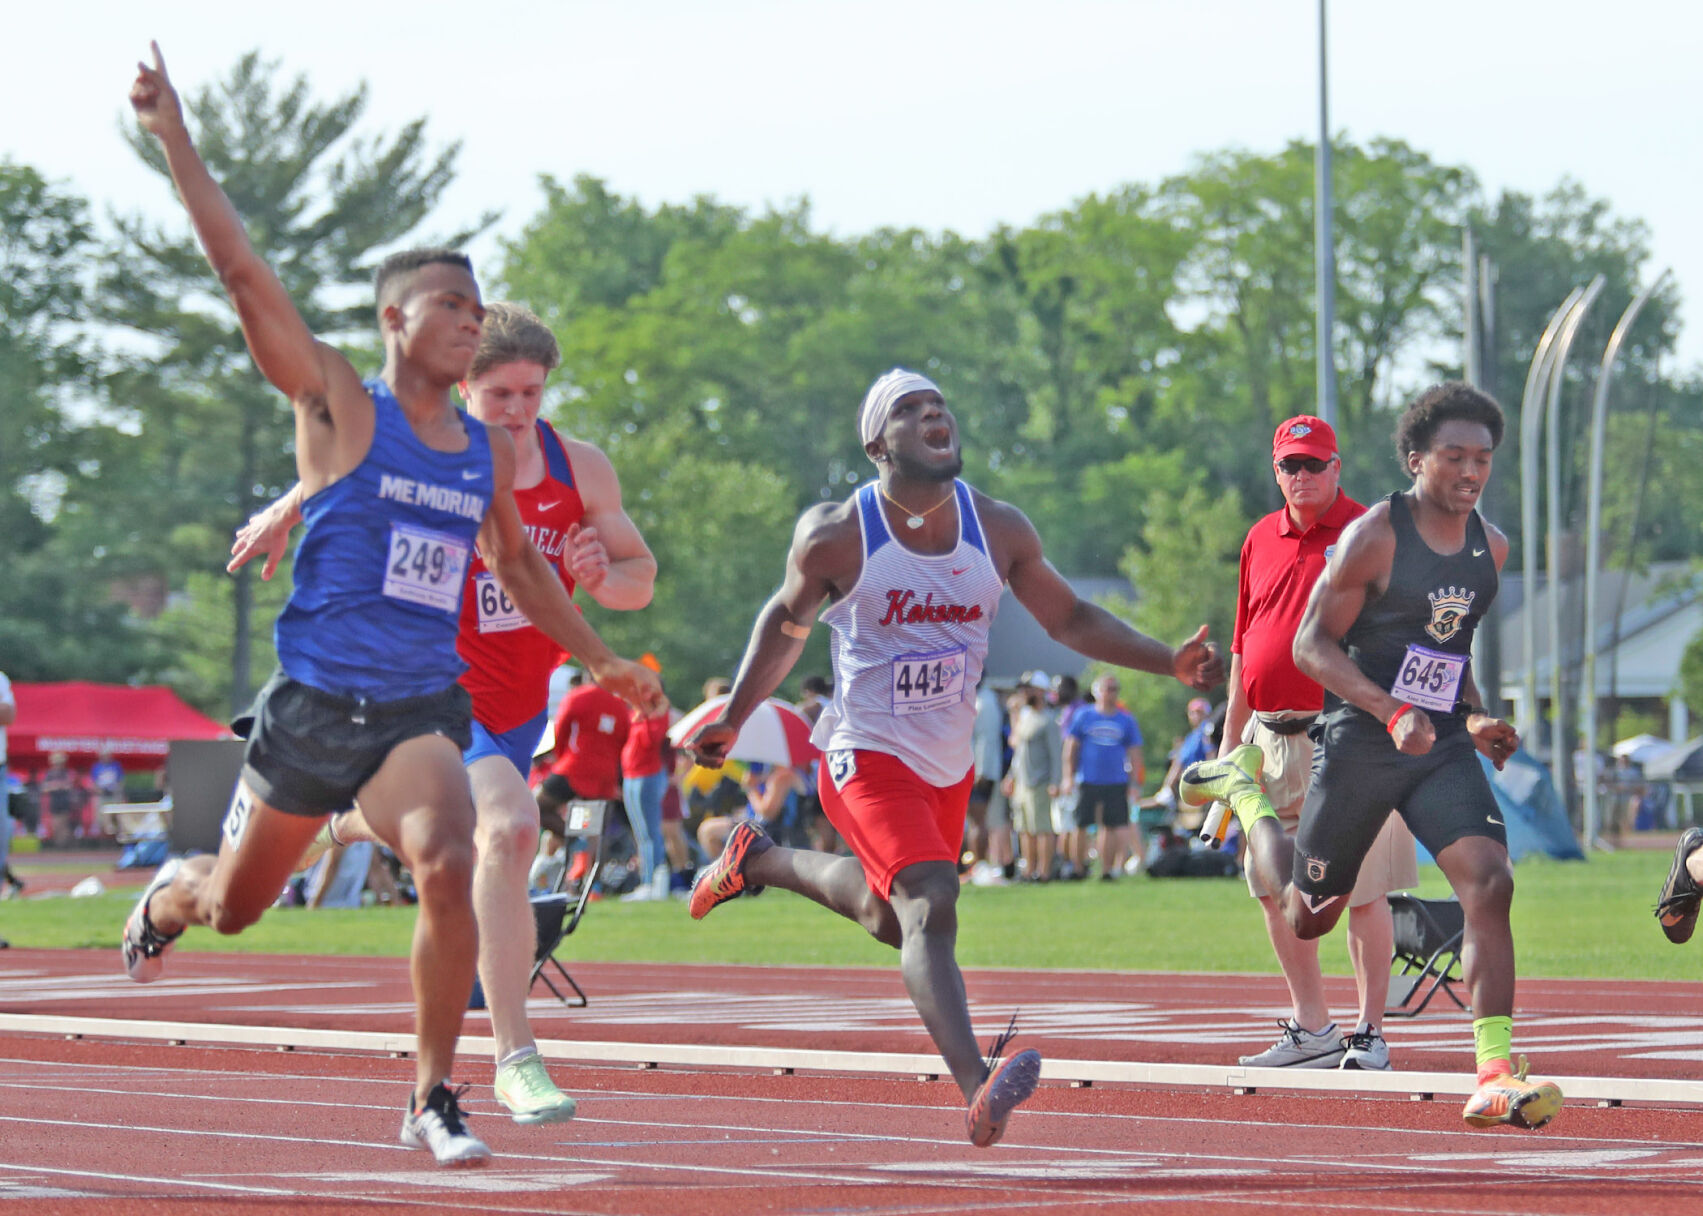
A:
{"x":1388,"y":630}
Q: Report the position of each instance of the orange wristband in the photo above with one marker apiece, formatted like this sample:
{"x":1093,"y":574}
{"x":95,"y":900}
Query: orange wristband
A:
{"x":1396,"y":717}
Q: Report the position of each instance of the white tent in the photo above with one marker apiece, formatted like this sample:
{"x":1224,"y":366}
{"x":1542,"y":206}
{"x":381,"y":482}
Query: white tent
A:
{"x":1641,"y":748}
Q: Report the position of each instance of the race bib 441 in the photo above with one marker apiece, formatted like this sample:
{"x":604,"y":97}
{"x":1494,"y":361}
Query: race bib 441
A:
{"x":922,"y":682}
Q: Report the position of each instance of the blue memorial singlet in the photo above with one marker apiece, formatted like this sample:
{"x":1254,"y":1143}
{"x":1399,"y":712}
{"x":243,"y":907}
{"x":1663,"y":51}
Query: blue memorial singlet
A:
{"x":379,"y":571}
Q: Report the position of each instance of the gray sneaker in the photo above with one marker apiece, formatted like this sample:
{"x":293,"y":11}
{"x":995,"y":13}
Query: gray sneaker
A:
{"x":1366,"y":1050}
{"x":1297,"y":1048}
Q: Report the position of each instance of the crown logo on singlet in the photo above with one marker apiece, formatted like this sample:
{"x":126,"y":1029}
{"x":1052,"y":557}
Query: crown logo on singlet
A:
{"x":904,"y":608}
{"x":1449,"y":607}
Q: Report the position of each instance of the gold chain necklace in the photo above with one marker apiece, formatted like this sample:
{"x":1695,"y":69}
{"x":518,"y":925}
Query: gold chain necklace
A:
{"x":913,"y":519}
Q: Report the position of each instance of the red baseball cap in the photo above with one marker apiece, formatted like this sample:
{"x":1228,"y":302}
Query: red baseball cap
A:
{"x":1304,"y":435}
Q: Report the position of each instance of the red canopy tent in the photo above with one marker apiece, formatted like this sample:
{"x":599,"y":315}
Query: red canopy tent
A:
{"x":82,"y":719}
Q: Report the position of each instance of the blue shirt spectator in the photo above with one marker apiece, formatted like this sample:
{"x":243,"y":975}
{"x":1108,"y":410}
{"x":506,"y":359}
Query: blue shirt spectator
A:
{"x":1104,"y":740}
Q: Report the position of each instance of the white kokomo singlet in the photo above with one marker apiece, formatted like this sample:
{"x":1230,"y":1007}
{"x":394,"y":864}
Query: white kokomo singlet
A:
{"x":909,"y":640}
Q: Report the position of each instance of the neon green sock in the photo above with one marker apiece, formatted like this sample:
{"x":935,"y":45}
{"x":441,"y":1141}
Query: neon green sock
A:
{"x":1251,"y":806}
{"x":1494,"y":1038}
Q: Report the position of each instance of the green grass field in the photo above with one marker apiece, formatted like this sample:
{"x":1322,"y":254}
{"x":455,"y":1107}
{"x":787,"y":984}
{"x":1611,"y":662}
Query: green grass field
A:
{"x":1571,"y":919}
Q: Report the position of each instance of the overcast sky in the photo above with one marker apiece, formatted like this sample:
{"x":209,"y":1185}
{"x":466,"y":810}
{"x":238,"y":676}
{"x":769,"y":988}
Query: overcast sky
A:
{"x":956,"y":114}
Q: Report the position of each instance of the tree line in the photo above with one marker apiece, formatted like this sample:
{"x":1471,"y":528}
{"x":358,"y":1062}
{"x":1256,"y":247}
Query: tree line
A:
{"x":1117,"y":368}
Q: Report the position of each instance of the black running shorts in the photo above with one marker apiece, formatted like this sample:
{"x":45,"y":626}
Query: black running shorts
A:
{"x":1107,"y":805}
{"x":1358,"y":775}
{"x":310,"y":751}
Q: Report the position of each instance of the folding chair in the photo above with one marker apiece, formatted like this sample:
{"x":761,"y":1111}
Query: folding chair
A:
{"x":1428,"y":936}
{"x":557,"y":913}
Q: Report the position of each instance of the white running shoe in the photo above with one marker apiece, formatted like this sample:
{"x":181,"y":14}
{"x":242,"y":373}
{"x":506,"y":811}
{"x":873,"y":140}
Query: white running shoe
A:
{"x":1366,"y":1051}
{"x":1297,"y":1048}
{"x":143,"y":946}
{"x":440,"y":1126}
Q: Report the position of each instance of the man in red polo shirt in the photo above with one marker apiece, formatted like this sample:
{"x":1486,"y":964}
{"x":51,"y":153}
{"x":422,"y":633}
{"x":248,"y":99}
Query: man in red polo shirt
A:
{"x":591,"y":730}
{"x":1273,"y":705}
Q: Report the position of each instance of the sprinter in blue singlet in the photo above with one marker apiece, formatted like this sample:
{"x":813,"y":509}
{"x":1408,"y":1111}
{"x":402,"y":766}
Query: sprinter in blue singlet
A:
{"x":396,"y":486}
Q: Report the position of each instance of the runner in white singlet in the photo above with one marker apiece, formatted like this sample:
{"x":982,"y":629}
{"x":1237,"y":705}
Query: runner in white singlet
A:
{"x":913,"y":564}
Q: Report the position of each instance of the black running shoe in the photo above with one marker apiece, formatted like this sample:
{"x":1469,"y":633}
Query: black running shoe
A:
{"x":1677,"y":905}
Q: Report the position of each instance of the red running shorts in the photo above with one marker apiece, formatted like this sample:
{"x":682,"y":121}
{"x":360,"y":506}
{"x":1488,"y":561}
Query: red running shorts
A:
{"x":889,"y":816}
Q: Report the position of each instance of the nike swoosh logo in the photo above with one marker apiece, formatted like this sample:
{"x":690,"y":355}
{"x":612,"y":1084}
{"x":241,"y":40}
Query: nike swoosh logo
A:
{"x":545,"y":506}
{"x":1493,"y":820}
{"x":1478,"y":552}
{"x":956,"y":572}
{"x":469,"y":474}
{"x":1318,"y":905}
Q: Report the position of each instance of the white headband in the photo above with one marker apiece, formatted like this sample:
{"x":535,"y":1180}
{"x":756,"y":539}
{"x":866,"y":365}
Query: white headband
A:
{"x":883,"y":395}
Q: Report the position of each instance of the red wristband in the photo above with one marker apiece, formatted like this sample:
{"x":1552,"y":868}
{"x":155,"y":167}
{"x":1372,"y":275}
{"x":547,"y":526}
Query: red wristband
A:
{"x":1396,"y":717}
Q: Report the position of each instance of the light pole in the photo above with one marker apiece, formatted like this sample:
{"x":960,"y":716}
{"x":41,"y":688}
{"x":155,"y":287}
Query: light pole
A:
{"x":1552,"y":469}
{"x":1324,"y":254}
{"x":1593,"y":534}
{"x":1531,"y":423}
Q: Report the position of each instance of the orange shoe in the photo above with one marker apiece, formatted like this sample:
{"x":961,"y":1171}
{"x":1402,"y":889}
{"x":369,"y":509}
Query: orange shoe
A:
{"x":1510,"y":1098}
{"x":1009,"y":1084}
{"x":724,"y":877}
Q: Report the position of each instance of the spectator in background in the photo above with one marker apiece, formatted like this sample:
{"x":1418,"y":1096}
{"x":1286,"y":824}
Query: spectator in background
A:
{"x":987,"y":824}
{"x":674,"y":842}
{"x":1067,"y":699}
{"x":644,"y":778}
{"x":709,"y":791}
{"x":108,"y":778}
{"x":8,"y":715}
{"x":1103,"y":763}
{"x":62,"y":797}
{"x":1200,"y":743}
{"x":1037,"y":768}
{"x":1273,"y":705}
{"x":591,"y":729}
{"x":771,"y":804}
{"x":1068,"y":821}
{"x":818,"y":692}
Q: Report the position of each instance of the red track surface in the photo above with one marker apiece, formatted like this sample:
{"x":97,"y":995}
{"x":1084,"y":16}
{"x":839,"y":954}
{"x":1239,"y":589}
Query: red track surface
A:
{"x":119,"y":1127}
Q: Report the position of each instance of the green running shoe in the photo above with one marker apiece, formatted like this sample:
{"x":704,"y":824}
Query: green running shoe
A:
{"x":1235,"y":779}
{"x":526,"y":1089}
{"x":1220,"y":780}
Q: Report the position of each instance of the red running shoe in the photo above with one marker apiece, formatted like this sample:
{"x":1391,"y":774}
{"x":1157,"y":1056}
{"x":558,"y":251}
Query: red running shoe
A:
{"x":724,"y":877}
{"x":1009,"y":1084}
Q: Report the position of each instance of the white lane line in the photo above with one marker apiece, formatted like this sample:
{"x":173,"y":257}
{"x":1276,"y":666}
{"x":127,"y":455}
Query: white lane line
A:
{"x":133,"y":1128}
{"x":487,"y":1109}
{"x":131,"y":1178}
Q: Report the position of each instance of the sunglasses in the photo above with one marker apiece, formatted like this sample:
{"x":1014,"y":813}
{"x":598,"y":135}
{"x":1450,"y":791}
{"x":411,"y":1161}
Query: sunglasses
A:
{"x":1291,"y":465}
